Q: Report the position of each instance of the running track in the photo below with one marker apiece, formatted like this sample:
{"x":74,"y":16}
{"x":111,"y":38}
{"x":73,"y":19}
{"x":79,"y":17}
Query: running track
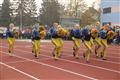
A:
{"x":24,"y":66}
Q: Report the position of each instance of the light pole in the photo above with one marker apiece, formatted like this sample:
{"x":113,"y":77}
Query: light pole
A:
{"x":76,"y":8}
{"x":21,"y":15}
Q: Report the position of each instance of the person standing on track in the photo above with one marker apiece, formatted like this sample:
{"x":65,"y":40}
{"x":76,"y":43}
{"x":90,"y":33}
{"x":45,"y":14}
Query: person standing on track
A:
{"x":55,"y":39}
{"x":98,"y":25}
{"x":37,"y":34}
{"x":33,"y":38}
{"x":56,"y":33}
{"x":88,"y":42}
{"x":35,"y":41}
{"x":76,"y":36}
{"x":105,"y":35}
{"x":11,"y":38}
{"x":97,"y":41}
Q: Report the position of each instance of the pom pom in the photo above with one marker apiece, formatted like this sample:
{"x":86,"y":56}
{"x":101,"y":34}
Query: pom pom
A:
{"x":110,"y":34}
{"x":63,"y":32}
{"x":42,"y":34}
{"x":94,"y":31}
{"x":41,"y":28}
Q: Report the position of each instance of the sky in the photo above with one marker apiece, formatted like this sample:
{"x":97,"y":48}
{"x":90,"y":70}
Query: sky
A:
{"x":38,"y":2}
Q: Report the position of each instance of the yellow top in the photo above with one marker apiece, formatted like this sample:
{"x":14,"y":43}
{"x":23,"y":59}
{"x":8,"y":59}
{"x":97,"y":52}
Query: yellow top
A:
{"x":62,"y":32}
{"x":110,"y":34}
{"x":42,"y":32}
{"x":94,"y":32}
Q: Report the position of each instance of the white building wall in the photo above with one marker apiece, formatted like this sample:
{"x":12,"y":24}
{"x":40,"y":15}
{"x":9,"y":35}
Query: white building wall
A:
{"x":114,"y":16}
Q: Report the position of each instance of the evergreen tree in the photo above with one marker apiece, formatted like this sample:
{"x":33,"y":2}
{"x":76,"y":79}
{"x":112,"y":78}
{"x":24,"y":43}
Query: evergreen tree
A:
{"x":50,"y":12}
{"x":6,"y":13}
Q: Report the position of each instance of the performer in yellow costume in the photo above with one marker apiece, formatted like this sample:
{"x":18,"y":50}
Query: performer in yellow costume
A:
{"x":56,"y":33}
{"x":37,"y":35}
{"x":97,"y":41}
{"x":76,"y":36}
{"x":88,"y":43}
{"x":105,"y":34}
{"x":10,"y":36}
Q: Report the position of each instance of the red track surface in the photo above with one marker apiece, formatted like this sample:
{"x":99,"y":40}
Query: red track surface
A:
{"x":23,"y":66}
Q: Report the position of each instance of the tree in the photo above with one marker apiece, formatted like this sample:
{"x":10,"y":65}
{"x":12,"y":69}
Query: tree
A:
{"x":32,"y":12}
{"x":49,"y":12}
{"x":6,"y":13}
{"x":26,"y":12}
{"x":75,"y":8}
{"x":32,"y":8}
{"x":90,"y":16}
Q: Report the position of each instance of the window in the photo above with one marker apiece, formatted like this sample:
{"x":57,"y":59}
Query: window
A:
{"x":107,"y":10}
{"x":105,"y":23}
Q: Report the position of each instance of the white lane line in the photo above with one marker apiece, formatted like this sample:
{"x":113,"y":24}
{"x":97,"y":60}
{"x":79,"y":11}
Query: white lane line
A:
{"x":118,"y":57}
{"x":43,"y":46}
{"x":81,"y":48}
{"x":44,"y":64}
{"x":108,"y":48}
{"x":14,"y":62}
{"x":99,"y":60}
{"x":19,"y":71}
{"x":73,"y":62}
{"x":94,"y":58}
{"x":91,"y":58}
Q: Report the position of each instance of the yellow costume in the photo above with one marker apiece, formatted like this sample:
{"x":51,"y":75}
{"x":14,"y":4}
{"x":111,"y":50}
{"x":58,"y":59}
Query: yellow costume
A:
{"x":97,"y":41}
{"x":76,"y":47}
{"x":57,"y":41}
{"x":36,"y":40}
{"x":88,"y":41}
{"x":10,"y":36}
{"x":110,"y":35}
{"x":11,"y":45}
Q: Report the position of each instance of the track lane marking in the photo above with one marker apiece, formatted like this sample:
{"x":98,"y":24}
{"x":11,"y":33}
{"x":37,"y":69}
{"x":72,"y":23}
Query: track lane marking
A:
{"x":91,"y":58}
{"x":74,"y":62}
{"x":44,"y":64}
{"x":34,"y":78}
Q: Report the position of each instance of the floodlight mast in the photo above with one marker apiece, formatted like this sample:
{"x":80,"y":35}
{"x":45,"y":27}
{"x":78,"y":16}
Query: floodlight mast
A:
{"x":21,"y":15}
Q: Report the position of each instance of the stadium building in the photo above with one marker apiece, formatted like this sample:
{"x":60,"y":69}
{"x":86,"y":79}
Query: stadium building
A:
{"x":110,"y":12}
